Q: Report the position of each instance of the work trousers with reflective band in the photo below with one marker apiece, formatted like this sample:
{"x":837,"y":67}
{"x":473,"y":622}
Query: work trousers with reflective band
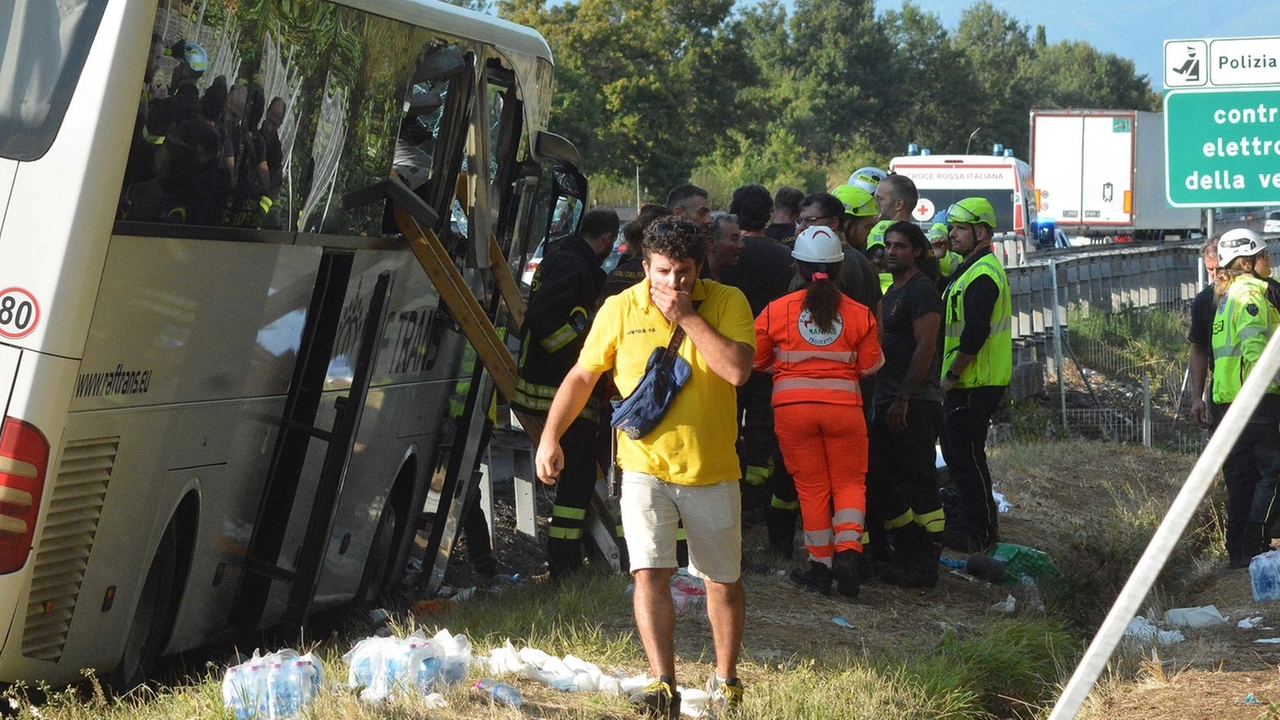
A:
{"x":580,"y":444}
{"x":901,"y":483}
{"x":1251,"y":473}
{"x":967,"y":416}
{"x":825,"y":448}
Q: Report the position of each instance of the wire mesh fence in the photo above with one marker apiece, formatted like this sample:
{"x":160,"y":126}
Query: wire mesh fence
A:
{"x":1111,"y":330}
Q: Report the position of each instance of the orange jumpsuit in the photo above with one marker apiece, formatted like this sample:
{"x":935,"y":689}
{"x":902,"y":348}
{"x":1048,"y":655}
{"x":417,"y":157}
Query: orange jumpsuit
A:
{"x":818,"y":413}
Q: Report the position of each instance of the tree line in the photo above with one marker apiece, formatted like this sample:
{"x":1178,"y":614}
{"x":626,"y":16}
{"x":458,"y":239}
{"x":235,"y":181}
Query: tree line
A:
{"x":725,"y":94}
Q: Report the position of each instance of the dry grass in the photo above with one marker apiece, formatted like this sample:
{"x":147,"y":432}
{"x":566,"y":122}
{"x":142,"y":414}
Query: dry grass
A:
{"x":911,"y":654}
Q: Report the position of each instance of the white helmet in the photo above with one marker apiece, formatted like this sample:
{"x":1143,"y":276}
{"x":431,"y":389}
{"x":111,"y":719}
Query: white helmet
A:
{"x":818,"y":244}
{"x":1241,"y":242}
{"x":867,"y":178}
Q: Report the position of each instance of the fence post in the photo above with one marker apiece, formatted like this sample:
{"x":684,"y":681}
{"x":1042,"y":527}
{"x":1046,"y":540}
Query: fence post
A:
{"x":1146,"y":410}
{"x":1057,"y":341}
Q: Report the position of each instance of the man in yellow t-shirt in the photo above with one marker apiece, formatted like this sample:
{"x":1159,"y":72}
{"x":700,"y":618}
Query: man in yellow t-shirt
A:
{"x":685,"y":469}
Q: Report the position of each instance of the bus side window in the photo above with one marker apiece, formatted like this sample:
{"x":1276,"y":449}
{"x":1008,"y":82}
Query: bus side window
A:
{"x":505,"y":134}
{"x":437,"y":110}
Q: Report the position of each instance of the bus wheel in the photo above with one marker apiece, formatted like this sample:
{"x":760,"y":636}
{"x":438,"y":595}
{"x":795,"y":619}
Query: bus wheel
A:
{"x":377,"y":570}
{"x":149,"y":631}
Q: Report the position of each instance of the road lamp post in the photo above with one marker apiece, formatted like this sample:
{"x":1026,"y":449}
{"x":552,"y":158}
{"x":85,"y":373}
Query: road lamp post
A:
{"x":972,"y":135}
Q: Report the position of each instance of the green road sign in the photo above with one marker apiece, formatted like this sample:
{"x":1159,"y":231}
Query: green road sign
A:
{"x":1222,"y":147}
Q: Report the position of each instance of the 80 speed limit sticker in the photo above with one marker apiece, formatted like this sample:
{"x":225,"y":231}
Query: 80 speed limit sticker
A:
{"x":19,"y":313}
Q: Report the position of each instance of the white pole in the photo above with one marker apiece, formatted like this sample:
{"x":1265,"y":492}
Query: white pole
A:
{"x":637,"y":189}
{"x":1057,"y":342}
{"x":1167,"y":535}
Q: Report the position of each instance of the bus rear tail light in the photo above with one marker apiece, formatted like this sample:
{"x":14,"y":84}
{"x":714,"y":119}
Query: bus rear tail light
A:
{"x":24,"y":462}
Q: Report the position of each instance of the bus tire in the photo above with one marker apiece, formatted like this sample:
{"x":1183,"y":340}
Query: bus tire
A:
{"x":378,"y":572}
{"x":152,"y":621}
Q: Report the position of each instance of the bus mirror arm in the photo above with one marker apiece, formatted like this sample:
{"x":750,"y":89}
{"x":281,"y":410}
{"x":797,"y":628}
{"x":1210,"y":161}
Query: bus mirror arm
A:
{"x":394,"y":189}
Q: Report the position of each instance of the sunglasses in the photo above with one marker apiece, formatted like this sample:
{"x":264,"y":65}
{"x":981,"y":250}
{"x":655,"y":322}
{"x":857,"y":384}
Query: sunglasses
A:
{"x":803,"y":220}
{"x":869,"y":204}
{"x":960,"y":214}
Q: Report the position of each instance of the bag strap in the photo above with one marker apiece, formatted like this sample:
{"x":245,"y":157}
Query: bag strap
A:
{"x":677,"y":337}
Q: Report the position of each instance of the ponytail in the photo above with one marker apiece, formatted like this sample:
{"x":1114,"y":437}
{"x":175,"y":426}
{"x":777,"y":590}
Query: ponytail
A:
{"x":821,"y":297}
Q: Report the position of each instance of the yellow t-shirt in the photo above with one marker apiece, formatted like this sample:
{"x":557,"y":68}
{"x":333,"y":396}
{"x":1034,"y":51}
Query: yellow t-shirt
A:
{"x":694,"y":443}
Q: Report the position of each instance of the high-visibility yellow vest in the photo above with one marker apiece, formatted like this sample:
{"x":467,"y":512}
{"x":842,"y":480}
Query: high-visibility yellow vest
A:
{"x":993,"y":364}
{"x":1242,"y":326}
{"x":948,"y":263}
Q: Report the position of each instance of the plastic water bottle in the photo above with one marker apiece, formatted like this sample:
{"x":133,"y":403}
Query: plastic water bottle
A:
{"x":236,"y":695}
{"x":502,"y":693}
{"x":428,"y":672}
{"x":256,"y":680}
{"x":310,"y":678}
{"x":362,"y":669}
{"x":396,"y":665}
{"x":1264,"y":575}
{"x":285,"y":684}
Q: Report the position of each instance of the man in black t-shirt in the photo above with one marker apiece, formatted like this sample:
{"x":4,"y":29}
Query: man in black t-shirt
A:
{"x":786,"y":208}
{"x":1201,"y":338}
{"x":764,"y":273}
{"x":901,"y":489}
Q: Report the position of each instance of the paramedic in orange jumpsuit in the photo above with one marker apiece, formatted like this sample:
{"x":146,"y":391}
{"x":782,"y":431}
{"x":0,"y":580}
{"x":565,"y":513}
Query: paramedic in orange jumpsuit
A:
{"x":819,"y":343}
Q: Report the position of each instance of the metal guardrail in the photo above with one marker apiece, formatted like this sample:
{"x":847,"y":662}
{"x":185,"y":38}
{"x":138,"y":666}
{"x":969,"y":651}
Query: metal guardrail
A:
{"x":1114,"y":277}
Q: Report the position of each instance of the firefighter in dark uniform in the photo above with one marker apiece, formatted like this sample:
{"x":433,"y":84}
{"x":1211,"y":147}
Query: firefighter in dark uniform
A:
{"x":565,"y":293}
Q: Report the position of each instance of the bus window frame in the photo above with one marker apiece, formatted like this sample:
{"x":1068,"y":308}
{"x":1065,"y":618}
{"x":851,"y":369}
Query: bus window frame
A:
{"x":504,"y":149}
{"x":31,"y":143}
{"x":439,"y":191}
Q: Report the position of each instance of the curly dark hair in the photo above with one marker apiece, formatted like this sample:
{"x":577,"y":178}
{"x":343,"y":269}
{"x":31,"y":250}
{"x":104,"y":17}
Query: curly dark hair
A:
{"x":675,"y":239}
{"x":753,"y":206}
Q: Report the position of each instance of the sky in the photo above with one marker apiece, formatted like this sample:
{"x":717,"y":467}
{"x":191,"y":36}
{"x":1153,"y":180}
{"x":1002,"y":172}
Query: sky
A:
{"x":1133,"y":29}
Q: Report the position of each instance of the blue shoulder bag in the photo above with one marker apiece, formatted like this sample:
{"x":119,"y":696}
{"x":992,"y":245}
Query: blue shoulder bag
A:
{"x":666,"y":372}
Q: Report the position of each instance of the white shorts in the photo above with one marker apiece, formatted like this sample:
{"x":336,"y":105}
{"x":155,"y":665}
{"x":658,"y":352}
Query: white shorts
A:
{"x":712,"y":514}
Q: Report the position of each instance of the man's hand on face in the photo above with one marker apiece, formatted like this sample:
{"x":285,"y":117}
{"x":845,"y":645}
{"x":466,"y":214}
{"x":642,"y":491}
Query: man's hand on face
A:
{"x":675,"y":304}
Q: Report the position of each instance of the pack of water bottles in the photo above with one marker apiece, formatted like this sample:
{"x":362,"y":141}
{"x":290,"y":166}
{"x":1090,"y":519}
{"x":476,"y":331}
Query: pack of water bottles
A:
{"x":391,"y":666}
{"x":1264,"y":576}
{"x":278,"y":685}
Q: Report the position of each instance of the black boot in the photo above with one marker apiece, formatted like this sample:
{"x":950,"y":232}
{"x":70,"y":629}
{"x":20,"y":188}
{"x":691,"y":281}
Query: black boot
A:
{"x":919,"y":552}
{"x":782,"y":532}
{"x":844,"y":567}
{"x":564,"y":558}
{"x":815,"y":578}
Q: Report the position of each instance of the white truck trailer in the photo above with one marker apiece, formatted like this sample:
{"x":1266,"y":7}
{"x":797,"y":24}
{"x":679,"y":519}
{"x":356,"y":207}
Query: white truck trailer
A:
{"x":1100,"y":176}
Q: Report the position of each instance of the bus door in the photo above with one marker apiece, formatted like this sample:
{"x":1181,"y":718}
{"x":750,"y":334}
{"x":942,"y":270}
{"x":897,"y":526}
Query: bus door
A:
{"x":429,"y":152}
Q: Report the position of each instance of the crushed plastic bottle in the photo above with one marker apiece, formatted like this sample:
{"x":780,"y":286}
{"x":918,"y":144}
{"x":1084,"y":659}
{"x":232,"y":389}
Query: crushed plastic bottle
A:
{"x":1031,"y":593}
{"x":1264,"y":576}
{"x":502,"y":693}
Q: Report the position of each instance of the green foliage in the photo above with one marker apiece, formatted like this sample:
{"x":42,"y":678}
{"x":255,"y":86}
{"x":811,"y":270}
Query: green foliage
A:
{"x":646,"y":83}
{"x":774,"y":93}
{"x":777,"y":160}
{"x":1015,"y":663}
{"x":1131,"y":342}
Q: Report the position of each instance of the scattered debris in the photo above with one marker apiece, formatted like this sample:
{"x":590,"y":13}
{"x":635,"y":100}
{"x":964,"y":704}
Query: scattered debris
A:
{"x":1195,"y":617}
{"x":1250,"y":623}
{"x":569,"y":673}
{"x":842,"y":622}
{"x":1006,"y":606}
{"x":1143,"y":630}
{"x":1002,"y":505}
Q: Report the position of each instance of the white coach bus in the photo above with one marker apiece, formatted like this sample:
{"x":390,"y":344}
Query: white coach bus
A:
{"x":224,"y":388}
